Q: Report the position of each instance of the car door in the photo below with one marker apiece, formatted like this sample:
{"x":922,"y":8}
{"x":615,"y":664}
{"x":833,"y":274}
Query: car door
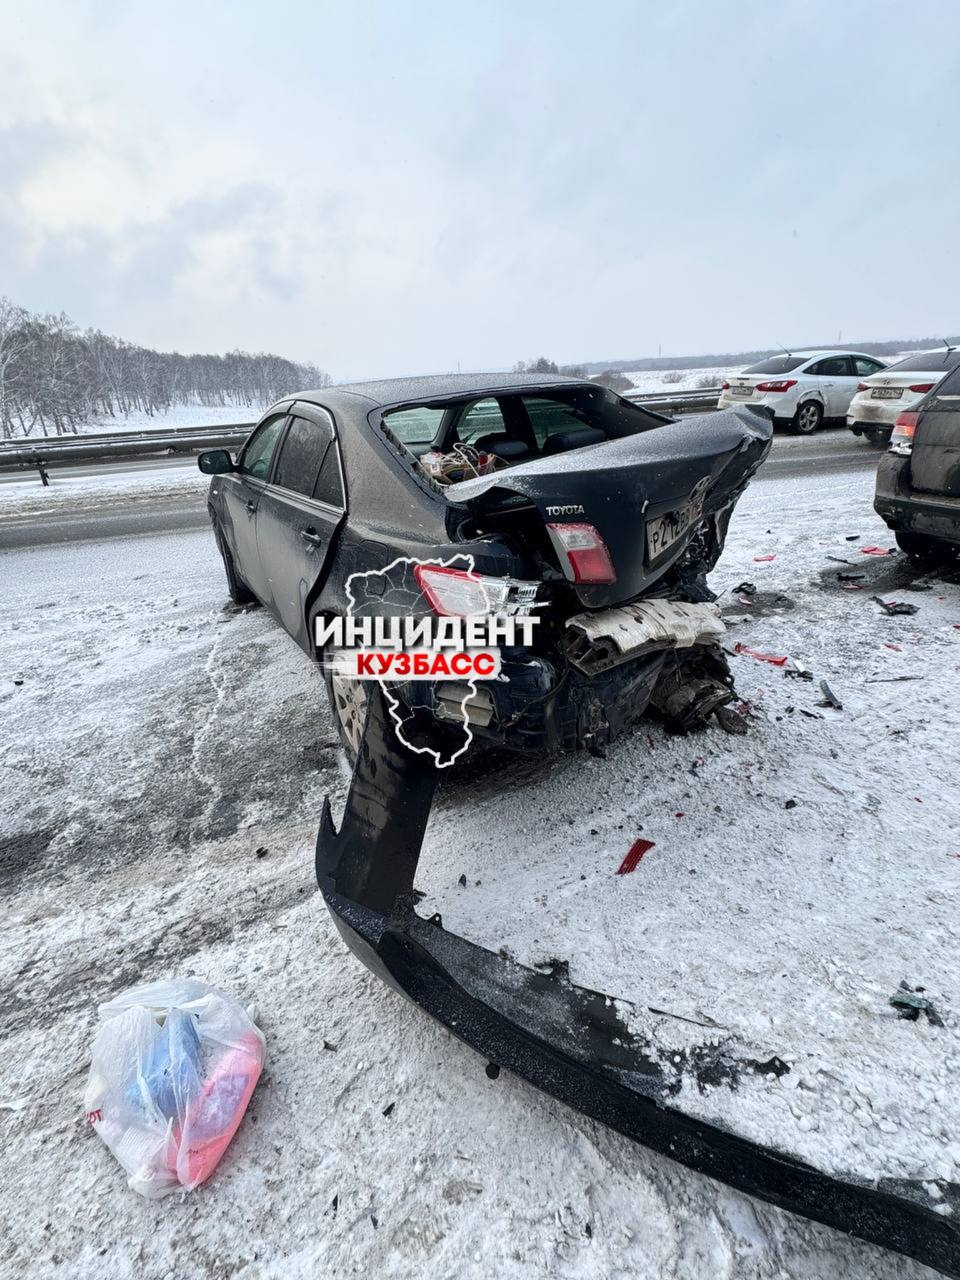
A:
{"x":298,"y":516}
{"x":845,"y":387}
{"x":243,"y":491}
{"x":833,"y":376}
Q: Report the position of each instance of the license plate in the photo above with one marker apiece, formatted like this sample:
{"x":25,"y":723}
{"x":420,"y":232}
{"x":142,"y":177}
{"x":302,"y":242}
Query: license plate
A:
{"x":886,"y":393}
{"x":663,"y":532}
{"x":741,"y":392}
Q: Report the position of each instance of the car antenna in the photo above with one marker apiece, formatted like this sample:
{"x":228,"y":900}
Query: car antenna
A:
{"x":948,"y":346}
{"x":783,"y":348}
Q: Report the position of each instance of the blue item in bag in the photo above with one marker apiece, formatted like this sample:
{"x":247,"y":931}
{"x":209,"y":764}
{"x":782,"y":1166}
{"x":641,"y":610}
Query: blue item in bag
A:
{"x":172,"y":1075}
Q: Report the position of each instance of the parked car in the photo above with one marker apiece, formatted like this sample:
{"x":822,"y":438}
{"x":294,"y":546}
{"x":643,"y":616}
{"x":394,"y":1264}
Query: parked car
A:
{"x":918,"y":479}
{"x":595,"y":506}
{"x":881,"y":398}
{"x":803,"y":389}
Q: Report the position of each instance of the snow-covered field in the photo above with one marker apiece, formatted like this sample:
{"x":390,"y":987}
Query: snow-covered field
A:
{"x":180,"y":415}
{"x":163,"y":762}
{"x":652,"y":380}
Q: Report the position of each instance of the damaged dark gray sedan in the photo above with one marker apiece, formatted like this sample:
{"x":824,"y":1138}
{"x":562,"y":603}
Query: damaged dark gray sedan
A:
{"x":599,"y":514}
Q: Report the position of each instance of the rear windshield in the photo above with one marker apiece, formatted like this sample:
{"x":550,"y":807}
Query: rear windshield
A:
{"x":500,"y":431}
{"x":778,"y":364}
{"x":927,"y":362}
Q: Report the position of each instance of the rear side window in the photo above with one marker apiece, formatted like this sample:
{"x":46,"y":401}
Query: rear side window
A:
{"x":778,"y":364}
{"x":329,"y":486}
{"x":832,"y":367}
{"x":301,"y":455}
{"x":865,"y":367}
{"x":927,"y":362}
{"x":258,"y":455}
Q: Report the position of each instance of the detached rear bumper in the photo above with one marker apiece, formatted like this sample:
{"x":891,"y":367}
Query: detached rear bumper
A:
{"x":906,"y":509}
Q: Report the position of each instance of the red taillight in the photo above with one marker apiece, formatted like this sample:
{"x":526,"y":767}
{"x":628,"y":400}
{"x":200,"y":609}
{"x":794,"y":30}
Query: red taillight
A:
{"x":725,"y":386}
{"x":583,"y":553}
{"x":454,"y":592}
{"x":921,"y":387}
{"x":862,"y":386}
{"x":903,"y":431}
{"x":785,"y":385}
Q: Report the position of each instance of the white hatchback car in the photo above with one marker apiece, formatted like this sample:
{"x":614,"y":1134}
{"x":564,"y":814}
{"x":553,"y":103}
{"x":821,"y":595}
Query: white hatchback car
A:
{"x":882,"y":398}
{"x":802,"y":389}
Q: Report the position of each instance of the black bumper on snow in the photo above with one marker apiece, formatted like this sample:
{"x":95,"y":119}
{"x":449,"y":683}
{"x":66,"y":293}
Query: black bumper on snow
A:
{"x":906,"y":509}
{"x":569,"y":1041}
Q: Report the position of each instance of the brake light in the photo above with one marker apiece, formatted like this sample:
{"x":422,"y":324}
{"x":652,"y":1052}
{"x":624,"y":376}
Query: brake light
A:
{"x":583,"y":553}
{"x":862,"y":386}
{"x":922,"y":387}
{"x":457,"y":593}
{"x":784,"y":385}
{"x":903,"y":432}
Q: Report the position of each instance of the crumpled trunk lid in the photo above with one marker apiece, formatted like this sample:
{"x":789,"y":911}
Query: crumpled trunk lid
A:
{"x":646,"y":494}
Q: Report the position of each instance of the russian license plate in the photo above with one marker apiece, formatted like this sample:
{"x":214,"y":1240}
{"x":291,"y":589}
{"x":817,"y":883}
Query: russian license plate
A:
{"x":663,"y":532}
{"x":886,"y":393}
{"x":742,"y":392}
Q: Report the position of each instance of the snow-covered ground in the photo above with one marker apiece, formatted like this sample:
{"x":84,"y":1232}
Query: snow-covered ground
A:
{"x":179,"y":415}
{"x":162,"y":763}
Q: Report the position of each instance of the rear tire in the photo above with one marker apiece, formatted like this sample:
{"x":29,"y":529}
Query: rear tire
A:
{"x":920,"y":546}
{"x":808,"y":418}
{"x":348,"y":706}
{"x":237,"y":589}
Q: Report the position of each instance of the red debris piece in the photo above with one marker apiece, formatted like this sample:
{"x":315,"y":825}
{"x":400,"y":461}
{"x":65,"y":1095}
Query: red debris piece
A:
{"x":746,"y":601}
{"x":888,"y":644}
{"x":632,"y":860}
{"x":678,"y":815}
{"x":956,"y":626}
{"x":876,"y":551}
{"x":850,"y":586}
{"x":775,"y":659}
{"x":764,"y":559}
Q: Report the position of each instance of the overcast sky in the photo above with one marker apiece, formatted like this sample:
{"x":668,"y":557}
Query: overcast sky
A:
{"x":387,"y":188}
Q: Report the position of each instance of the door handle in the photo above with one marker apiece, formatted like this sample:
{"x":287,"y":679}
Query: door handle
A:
{"x":311,"y":536}
{"x":251,"y":506}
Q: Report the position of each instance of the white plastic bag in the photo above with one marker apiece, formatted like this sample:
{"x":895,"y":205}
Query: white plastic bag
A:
{"x":174,"y":1065}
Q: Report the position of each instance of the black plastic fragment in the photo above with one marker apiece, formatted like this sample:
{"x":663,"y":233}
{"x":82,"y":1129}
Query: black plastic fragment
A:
{"x":571,"y":1042}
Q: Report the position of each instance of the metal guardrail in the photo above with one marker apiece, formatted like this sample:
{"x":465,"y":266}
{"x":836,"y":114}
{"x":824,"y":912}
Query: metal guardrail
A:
{"x":131,"y":446}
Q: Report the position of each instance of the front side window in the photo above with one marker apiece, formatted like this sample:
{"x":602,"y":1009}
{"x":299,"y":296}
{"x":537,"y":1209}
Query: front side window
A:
{"x":258,"y":455}
{"x":301,"y":455}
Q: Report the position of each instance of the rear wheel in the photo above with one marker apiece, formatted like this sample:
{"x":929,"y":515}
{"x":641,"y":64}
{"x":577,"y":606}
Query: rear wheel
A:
{"x":237,"y":589}
{"x":922,"y":547}
{"x":807,"y":418}
{"x":348,"y":703}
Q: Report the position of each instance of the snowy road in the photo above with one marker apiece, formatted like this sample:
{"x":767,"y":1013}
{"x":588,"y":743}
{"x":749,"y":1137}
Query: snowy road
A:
{"x":162,"y":764}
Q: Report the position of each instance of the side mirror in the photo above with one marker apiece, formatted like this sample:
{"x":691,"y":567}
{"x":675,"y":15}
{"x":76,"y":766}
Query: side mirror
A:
{"x":214,"y":462}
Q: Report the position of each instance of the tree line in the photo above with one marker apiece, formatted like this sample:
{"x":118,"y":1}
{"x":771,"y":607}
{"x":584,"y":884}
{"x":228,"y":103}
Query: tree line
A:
{"x":54,"y":377}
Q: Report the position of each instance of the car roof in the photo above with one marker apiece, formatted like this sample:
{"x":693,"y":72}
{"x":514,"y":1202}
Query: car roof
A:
{"x":435,"y":387}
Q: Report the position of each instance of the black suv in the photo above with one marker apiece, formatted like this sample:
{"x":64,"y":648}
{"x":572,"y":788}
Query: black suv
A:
{"x":560,"y":490}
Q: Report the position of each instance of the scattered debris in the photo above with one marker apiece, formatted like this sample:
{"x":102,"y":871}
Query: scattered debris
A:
{"x":879,"y":551}
{"x":790,"y":804}
{"x":811,"y":715}
{"x":799,"y":671}
{"x":775,"y":660}
{"x":731,"y":720}
{"x":839,"y":560}
{"x":830,"y":699}
{"x":851,"y":537}
{"x":764,"y":559}
{"x":462,"y":882}
{"x":388,"y":1109}
{"x":897,"y":648}
{"x":330,"y":1048}
{"x":890,"y":679}
{"x":894,"y":608}
{"x":262,"y":851}
{"x":702,"y":1021}
{"x":634,"y":855}
{"x":850,"y":577}
{"x":909,"y":1003}
{"x":745,"y":589}
{"x":492,"y":1070}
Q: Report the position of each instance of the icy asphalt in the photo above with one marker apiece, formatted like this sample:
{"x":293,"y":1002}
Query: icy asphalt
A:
{"x":162,"y":763}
